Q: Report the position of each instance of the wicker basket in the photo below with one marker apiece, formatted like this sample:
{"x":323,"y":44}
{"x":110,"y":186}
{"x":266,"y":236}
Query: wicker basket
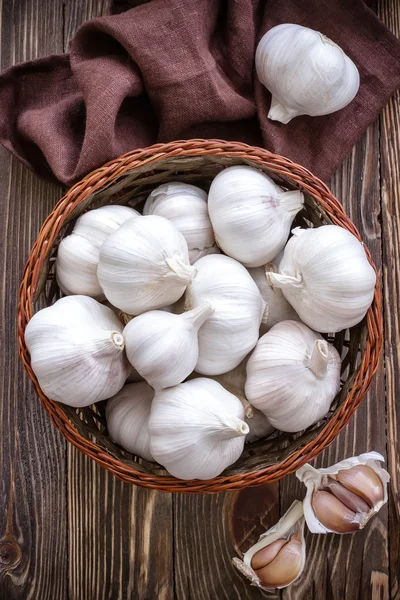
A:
{"x":127,"y":180}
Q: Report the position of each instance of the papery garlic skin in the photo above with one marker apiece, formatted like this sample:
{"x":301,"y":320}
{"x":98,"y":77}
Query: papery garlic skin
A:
{"x":325,"y":275}
{"x":144,"y":265}
{"x":250,"y":214}
{"x":76,"y":347}
{"x":127,"y":415}
{"x":306,"y":73}
{"x":232,"y":331}
{"x":164,"y":347}
{"x":197,"y":429}
{"x":279,"y":308}
{"x":314,"y":480}
{"x":293,"y":375}
{"x":282,"y":549}
{"x":78,"y":253}
{"x":186,"y":206}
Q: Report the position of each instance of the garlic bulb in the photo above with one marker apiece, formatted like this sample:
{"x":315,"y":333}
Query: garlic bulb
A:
{"x":279,"y":556}
{"x":279,"y":308}
{"x":78,"y":253}
{"x":186,"y":206}
{"x":293,"y":375}
{"x":326,"y":277}
{"x":163,"y":347}
{"x":144,"y":265}
{"x":251,"y":215}
{"x":127,"y":415}
{"x":306,"y":73}
{"x":196,"y":429}
{"x":342,"y":498}
{"x":232,"y":331}
{"x":76,"y":348}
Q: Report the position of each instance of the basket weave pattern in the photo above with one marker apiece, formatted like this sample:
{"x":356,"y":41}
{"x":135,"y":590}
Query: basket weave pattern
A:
{"x":127,"y":180}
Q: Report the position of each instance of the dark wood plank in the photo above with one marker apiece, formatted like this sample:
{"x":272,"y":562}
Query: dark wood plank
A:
{"x":32,"y":465}
{"x":352,"y":566}
{"x":120,"y":536}
{"x":389,"y":12}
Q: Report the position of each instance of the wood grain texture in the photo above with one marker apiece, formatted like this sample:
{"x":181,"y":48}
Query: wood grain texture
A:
{"x":32,"y":462}
{"x":389,"y":12}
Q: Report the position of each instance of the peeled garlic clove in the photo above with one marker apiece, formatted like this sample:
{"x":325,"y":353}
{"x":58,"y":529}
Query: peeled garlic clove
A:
{"x":363,"y":481}
{"x":333,"y":514}
{"x":186,"y":206}
{"x":127,"y":415}
{"x":349,"y":499}
{"x":278,"y":558}
{"x":325,"y":275}
{"x":232,"y":331}
{"x":196,"y":429}
{"x":76,"y":347}
{"x":164,"y":347}
{"x":331,"y":479}
{"x":292,"y":376}
{"x":251,"y":215}
{"x":279,"y":308}
{"x":78,"y":253}
{"x":144,"y":265}
{"x":306,"y":73}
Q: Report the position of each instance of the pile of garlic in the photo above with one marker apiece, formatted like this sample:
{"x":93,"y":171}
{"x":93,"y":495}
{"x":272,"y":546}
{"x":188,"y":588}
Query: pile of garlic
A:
{"x":206,"y":337}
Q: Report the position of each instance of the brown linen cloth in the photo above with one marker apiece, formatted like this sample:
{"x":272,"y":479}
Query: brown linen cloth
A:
{"x":173,"y":69}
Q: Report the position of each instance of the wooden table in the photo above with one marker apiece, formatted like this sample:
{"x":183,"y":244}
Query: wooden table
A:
{"x":70,"y":530}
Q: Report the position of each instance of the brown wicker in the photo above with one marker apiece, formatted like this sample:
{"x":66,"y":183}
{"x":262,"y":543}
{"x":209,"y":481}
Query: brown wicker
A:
{"x":127,"y":180}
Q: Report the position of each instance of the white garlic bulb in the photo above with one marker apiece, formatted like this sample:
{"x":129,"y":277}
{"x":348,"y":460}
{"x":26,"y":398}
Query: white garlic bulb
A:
{"x":326,"y":277}
{"x":232,"y":330}
{"x":279,"y":556}
{"x":127,"y":415}
{"x":306,"y":73}
{"x":186,"y":206}
{"x":144,"y":265}
{"x":343,"y":498}
{"x":76,"y":347}
{"x":251,"y":215}
{"x":279,"y":308}
{"x":164,"y":347}
{"x":293,"y":375}
{"x":78,"y":253}
{"x":196,"y":429}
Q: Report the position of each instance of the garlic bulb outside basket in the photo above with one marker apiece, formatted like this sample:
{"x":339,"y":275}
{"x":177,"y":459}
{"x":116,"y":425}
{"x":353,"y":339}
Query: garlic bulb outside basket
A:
{"x":127,"y":415}
{"x":306,"y":73}
{"x":342,"y":498}
{"x":251,"y":215}
{"x":293,"y":375}
{"x":164,"y":347}
{"x":78,"y":253}
{"x":186,"y":206}
{"x":279,"y":556}
{"x":197,"y":429}
{"x":279,"y":308}
{"x":232,"y":330}
{"x":76,"y":348}
{"x":326,"y":277}
{"x":144,"y":265}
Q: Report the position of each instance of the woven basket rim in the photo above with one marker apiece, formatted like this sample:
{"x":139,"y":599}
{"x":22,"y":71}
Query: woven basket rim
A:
{"x":94,"y":181}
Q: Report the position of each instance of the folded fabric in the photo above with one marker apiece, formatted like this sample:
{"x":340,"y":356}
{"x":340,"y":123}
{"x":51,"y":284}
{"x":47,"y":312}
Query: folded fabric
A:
{"x":178,"y":69}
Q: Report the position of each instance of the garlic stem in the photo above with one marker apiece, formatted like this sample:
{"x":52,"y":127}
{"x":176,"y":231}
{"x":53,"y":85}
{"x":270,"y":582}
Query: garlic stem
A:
{"x":280,"y":112}
{"x":231,"y":428}
{"x":180,"y":270}
{"x":198,"y":315}
{"x":318,"y":363}
{"x":284,"y":281}
{"x":265,"y":316}
{"x":293,"y":201}
{"x":118,"y":340}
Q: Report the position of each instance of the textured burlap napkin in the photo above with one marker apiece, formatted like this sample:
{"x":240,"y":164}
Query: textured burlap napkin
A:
{"x":173,"y":69}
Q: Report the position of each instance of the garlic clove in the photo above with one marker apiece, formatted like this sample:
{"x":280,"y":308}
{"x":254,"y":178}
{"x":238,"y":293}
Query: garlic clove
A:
{"x":333,"y":514}
{"x":263,"y":557}
{"x":285,"y":567}
{"x":363,"y":481}
{"x":349,"y":499}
